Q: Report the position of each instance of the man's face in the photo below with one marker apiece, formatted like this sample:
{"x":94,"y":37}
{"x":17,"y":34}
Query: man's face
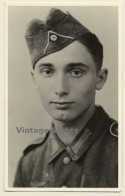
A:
{"x":66,"y":81}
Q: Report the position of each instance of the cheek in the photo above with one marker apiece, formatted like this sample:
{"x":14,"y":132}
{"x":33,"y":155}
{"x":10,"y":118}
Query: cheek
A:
{"x":42,"y":88}
{"x":87,"y":94}
{"x":45,"y":91}
{"x":85,"y":88}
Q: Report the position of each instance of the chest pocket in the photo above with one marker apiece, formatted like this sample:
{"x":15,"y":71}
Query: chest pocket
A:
{"x":39,"y":184}
{"x":41,"y":180}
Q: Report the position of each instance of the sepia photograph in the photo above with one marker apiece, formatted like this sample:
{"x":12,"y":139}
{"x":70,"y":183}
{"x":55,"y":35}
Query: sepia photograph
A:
{"x":62,"y":89}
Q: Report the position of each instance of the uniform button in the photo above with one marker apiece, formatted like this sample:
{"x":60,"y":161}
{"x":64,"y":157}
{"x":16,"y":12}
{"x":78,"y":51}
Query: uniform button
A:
{"x":53,"y":37}
{"x":64,"y":186}
{"x":66,"y":160}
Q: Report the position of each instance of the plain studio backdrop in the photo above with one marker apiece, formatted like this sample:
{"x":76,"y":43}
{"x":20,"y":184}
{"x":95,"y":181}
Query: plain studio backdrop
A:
{"x":25,"y":109}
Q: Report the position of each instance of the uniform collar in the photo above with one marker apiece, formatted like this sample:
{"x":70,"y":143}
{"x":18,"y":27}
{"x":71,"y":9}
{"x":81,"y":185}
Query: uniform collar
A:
{"x":83,"y":140}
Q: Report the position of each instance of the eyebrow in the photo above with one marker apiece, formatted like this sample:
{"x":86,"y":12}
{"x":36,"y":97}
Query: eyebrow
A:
{"x":80,"y":64}
{"x":70,"y":65}
{"x":45,"y":65}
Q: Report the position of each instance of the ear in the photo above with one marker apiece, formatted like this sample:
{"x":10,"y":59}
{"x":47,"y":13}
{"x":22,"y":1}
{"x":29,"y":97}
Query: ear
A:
{"x":33,"y":78}
{"x":32,"y":75}
{"x":102,"y":77}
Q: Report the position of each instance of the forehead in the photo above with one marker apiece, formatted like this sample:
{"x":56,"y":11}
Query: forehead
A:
{"x":74,"y":52}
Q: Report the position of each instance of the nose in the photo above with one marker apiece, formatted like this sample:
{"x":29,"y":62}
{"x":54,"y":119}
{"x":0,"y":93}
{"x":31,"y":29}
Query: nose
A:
{"x":62,"y":87}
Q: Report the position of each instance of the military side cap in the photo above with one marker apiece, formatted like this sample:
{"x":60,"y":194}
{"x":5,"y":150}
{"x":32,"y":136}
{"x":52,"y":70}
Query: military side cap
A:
{"x":57,"y":31}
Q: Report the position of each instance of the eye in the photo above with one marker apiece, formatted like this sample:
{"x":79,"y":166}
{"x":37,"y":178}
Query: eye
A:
{"x":76,"y":72}
{"x":47,"y":72}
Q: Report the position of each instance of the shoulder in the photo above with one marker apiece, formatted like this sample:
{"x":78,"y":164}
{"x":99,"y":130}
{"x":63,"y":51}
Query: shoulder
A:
{"x":110,"y":138}
{"x":109,"y":135}
{"x":28,"y":162}
{"x":114,"y":129}
{"x":106,"y":122}
{"x":35,"y":144}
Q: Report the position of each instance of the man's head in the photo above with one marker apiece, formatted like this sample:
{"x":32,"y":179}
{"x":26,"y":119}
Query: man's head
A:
{"x":67,"y":66}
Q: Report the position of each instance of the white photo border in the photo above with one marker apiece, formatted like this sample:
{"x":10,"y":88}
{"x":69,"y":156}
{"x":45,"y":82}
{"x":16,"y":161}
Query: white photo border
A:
{"x":120,"y":81}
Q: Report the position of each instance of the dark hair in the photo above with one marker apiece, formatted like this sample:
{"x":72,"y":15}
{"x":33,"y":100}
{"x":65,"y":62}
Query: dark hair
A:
{"x":94,"y":47}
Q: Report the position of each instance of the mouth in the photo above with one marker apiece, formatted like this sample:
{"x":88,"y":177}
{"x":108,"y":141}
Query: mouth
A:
{"x":62,"y":105}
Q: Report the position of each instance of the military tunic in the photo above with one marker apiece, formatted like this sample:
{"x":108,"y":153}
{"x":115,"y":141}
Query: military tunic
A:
{"x":91,"y":160}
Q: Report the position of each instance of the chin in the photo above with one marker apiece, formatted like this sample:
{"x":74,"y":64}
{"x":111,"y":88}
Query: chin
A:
{"x":60,"y":118}
{"x":63,"y":117}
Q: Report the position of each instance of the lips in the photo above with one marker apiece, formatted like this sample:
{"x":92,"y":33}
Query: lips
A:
{"x":62,"y":105}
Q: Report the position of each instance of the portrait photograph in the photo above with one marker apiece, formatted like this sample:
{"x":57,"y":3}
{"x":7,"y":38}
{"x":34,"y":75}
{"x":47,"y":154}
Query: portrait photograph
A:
{"x":63,"y":97}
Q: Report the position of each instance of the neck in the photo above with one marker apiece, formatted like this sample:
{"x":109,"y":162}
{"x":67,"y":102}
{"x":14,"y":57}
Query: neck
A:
{"x":76,"y":125}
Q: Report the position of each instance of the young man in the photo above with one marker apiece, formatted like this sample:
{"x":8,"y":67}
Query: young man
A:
{"x":81,"y":148}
